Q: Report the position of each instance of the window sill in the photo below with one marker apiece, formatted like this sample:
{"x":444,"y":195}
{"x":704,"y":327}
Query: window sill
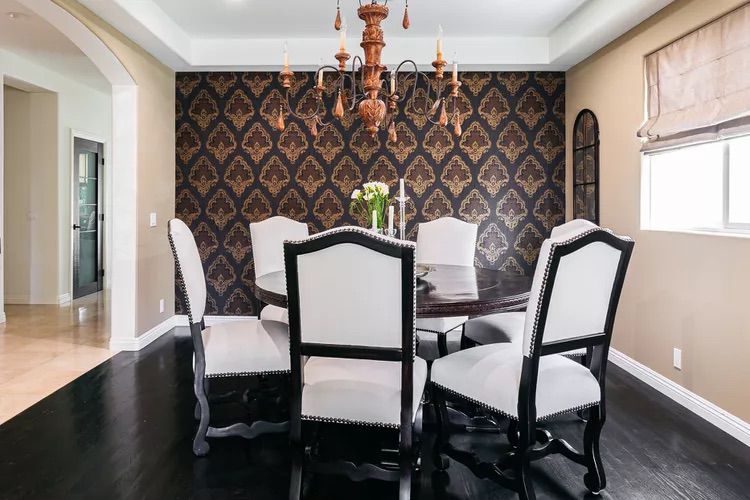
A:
{"x":731,"y":233}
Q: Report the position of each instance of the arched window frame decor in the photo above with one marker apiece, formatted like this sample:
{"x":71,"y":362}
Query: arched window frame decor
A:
{"x":586,"y":183}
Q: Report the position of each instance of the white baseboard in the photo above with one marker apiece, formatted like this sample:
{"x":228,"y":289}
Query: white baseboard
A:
{"x":732,"y":425}
{"x":63,"y":299}
{"x":182,"y":319}
{"x":2,"y":317}
{"x":15,"y":299}
{"x":138,"y":343}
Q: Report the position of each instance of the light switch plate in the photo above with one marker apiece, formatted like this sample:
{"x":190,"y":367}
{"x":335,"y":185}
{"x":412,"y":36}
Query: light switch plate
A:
{"x":152,"y":219}
{"x":677,"y":358}
{"x":161,"y":305}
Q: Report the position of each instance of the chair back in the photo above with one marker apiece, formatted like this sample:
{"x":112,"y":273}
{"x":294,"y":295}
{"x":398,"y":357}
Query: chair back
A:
{"x":189,"y":268}
{"x":576,"y":289}
{"x":349,"y":288}
{"x":446,"y":241}
{"x":268,"y":238}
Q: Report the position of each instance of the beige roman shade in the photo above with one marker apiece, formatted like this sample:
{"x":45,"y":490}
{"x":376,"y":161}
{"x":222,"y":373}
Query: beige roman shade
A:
{"x":698,"y":87}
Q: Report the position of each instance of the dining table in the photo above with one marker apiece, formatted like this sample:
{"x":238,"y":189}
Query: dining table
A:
{"x":445,"y":291}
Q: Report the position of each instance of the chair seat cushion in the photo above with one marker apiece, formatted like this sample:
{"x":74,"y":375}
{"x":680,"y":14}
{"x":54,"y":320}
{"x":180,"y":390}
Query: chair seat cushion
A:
{"x":358,"y":391}
{"x":440,"y":325}
{"x":246,"y":347}
{"x":275,"y":313}
{"x":496,"y":328}
{"x":490,"y":375}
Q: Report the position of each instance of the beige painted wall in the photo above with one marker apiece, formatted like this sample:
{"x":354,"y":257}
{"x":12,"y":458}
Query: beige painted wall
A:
{"x":30,"y":201}
{"x":688,"y":291}
{"x":156,"y":167}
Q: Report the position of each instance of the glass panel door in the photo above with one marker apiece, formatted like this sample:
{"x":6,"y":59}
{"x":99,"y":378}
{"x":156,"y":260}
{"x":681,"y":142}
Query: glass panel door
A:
{"x":87,"y":268}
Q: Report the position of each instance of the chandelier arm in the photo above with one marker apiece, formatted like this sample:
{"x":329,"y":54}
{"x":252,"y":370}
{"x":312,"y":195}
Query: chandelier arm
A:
{"x":295,"y":114}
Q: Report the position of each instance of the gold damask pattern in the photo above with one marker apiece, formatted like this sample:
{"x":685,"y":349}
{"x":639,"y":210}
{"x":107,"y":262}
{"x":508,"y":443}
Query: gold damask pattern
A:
{"x":506,"y":172}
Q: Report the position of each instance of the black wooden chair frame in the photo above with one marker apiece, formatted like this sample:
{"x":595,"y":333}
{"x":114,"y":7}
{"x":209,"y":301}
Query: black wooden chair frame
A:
{"x":523,"y":433}
{"x":302,"y":459}
{"x":201,"y":386}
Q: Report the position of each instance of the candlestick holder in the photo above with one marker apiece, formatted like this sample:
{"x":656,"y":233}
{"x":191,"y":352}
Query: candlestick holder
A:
{"x":402,"y":216}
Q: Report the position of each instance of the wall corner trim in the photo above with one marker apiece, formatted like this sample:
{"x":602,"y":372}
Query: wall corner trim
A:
{"x":732,"y":425}
{"x":63,"y":299}
{"x":138,"y":343}
{"x":2,"y":317}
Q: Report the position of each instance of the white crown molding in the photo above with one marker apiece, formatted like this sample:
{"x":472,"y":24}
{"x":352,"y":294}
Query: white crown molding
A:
{"x":732,"y":425}
{"x":589,"y":28}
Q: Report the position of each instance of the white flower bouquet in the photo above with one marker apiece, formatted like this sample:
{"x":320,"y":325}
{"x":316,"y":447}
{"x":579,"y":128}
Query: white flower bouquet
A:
{"x":373,"y":198}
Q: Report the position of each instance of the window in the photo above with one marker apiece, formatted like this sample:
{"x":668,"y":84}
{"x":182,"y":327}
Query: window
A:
{"x":698,"y":188}
{"x":586,"y":167}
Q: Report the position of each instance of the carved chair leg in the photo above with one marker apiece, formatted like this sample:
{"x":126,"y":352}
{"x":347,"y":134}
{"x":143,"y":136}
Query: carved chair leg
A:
{"x":442,"y":342}
{"x":513,"y":432}
{"x":200,"y":445}
{"x":526,"y":442}
{"x":595,"y":479}
{"x":295,"y":483}
{"x":441,"y":415}
{"x":197,"y":411}
{"x":405,"y":460}
{"x":465,"y":344}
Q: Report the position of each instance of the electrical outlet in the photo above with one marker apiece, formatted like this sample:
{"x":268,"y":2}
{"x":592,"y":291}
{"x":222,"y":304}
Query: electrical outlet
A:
{"x":152,"y":219}
{"x":161,"y":305}
{"x":677,"y":358}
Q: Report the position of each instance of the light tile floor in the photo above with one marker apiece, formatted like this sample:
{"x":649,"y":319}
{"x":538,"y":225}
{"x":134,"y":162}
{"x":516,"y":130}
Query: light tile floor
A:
{"x":43,"y":347}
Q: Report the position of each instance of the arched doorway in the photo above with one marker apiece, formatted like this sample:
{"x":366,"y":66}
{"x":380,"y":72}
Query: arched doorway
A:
{"x":122,"y":248}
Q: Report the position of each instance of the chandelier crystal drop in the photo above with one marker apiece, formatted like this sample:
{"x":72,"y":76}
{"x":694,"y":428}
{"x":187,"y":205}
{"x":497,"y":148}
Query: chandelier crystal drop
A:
{"x":363,"y":87}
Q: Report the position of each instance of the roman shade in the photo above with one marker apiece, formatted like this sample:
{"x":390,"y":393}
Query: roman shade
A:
{"x":698,"y":87}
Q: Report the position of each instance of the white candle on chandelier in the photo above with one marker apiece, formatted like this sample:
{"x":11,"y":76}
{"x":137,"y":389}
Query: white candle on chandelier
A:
{"x":402,"y":192}
{"x":342,"y":37}
{"x":440,"y":42}
{"x":393,"y":82}
{"x":286,"y":57}
{"x":455,"y":71}
{"x":320,"y":74}
{"x":390,"y":220}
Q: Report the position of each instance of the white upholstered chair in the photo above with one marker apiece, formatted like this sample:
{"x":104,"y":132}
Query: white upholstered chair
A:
{"x":268,"y":238}
{"x":574,"y":297}
{"x":446,"y":241}
{"x":233,"y":349}
{"x":508,"y":326}
{"x":360,"y":366}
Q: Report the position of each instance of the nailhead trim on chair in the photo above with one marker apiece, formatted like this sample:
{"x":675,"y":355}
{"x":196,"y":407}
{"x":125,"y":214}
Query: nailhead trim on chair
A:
{"x":390,"y":241}
{"x":508,"y":415}
{"x":247,"y":374}
{"x":545,"y":278}
{"x":332,"y":420}
{"x":179,"y":276}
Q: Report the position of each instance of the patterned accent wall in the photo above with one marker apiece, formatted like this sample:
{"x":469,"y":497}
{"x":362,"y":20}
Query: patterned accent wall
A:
{"x":506,"y":172}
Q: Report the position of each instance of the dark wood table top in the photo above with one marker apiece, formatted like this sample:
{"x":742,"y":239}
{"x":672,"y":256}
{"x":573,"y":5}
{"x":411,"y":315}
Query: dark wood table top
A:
{"x":446,"y":291}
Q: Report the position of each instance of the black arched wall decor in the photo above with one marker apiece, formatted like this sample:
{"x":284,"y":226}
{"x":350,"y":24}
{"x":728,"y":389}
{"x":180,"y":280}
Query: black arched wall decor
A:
{"x":586,"y":167}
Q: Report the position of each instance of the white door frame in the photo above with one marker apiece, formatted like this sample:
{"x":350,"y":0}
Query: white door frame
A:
{"x":124,"y":150}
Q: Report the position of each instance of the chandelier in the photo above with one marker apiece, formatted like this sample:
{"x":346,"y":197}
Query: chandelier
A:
{"x":363,"y":88}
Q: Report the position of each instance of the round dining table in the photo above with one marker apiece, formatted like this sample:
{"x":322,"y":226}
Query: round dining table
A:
{"x":444,"y":292}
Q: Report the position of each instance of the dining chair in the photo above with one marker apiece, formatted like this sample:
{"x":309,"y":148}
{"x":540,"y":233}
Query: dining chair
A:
{"x":239,"y":348}
{"x":267,"y":239}
{"x":446,"y":241}
{"x":508,"y":326}
{"x":357,"y":367}
{"x":574,"y":297}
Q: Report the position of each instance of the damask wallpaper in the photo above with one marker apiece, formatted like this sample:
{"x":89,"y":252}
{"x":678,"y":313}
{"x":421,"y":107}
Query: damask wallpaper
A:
{"x":506,"y":172}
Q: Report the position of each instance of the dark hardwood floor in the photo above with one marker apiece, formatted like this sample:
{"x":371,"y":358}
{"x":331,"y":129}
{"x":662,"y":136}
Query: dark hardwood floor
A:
{"x":124,"y":430}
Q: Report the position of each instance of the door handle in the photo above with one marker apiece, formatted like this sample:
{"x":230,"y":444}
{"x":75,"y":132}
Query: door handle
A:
{"x":76,"y":226}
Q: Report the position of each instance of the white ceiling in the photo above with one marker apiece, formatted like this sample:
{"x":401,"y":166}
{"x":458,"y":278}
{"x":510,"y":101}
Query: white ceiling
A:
{"x":484,"y":34}
{"x":35,"y":40}
{"x":313,"y":18}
